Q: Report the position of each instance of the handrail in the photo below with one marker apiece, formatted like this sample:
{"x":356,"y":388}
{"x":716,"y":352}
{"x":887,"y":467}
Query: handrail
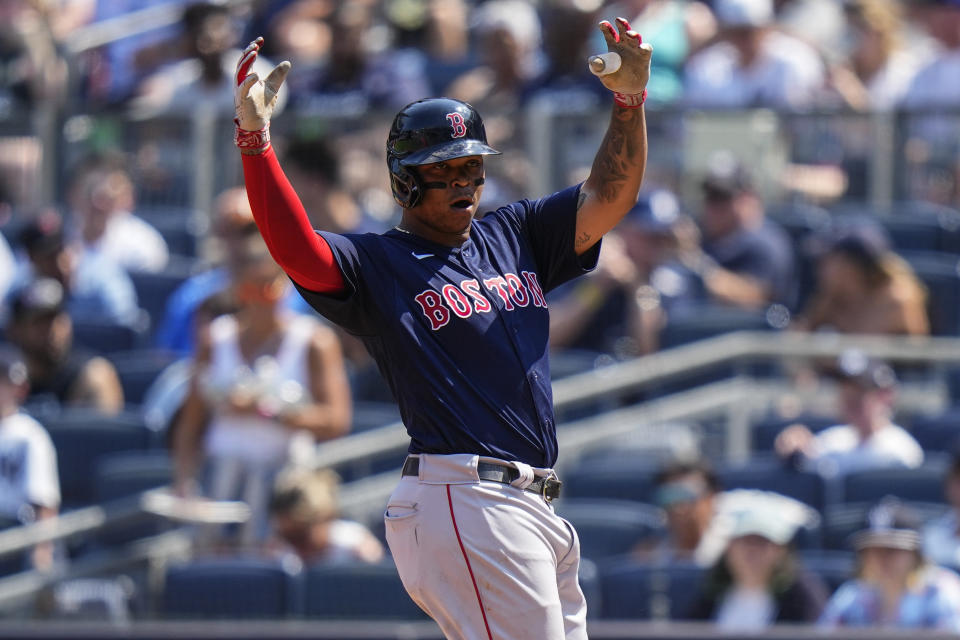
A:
{"x":126,"y":25}
{"x":739,"y":393}
{"x":631,"y":375}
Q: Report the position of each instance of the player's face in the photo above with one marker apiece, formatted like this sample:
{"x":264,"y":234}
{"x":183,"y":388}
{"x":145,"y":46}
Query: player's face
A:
{"x":444,"y":214}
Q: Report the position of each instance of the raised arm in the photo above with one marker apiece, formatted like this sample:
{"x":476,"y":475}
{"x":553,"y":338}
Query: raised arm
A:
{"x":280,"y":216}
{"x":611,"y":190}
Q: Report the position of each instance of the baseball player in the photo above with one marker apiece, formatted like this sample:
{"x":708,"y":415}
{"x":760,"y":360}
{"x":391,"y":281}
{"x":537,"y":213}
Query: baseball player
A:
{"x":453,"y":310}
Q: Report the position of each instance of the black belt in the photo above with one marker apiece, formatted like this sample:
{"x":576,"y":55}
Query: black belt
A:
{"x":548,"y":488}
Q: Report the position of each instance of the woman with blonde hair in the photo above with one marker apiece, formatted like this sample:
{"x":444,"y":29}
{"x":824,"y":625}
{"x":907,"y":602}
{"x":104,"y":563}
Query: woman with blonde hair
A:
{"x":304,"y":510}
{"x":864,"y":287}
{"x":878,"y":67}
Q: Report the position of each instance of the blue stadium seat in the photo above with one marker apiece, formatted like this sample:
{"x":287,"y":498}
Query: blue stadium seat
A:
{"x":923,"y":484}
{"x":610,"y":527}
{"x":82,"y":438}
{"x":765,"y":431}
{"x":154,"y":289}
{"x":365,"y":591}
{"x":127,"y":473}
{"x":631,"y":591}
{"x":248,"y":588}
{"x":120,"y":475}
{"x":770,"y":474}
{"x":138,"y":369}
{"x":621,"y":482}
{"x":589,"y":578}
{"x":710,"y":321}
{"x":833,"y":567}
{"x":13,"y":563}
{"x":105,"y":338}
{"x":843,"y":520}
{"x":938,"y":433}
{"x":939,"y":273}
{"x":180,"y":227}
{"x":370,"y":414}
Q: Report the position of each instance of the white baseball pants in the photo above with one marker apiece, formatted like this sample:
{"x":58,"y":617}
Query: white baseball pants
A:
{"x":486,"y":560}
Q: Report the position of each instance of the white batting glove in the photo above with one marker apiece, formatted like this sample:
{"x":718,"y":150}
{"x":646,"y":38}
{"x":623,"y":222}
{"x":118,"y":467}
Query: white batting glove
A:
{"x":625,"y":70}
{"x":255,"y":99}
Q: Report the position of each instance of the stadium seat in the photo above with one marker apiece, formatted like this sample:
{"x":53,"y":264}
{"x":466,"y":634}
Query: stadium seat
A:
{"x":230,"y":588}
{"x":631,"y":591}
{"x":843,"y":520}
{"x":138,"y":369}
{"x":610,"y":527}
{"x":81,"y":439}
{"x":833,"y":567}
{"x":105,"y":338}
{"x":180,"y":227}
{"x":710,"y":321}
{"x":765,"y":431}
{"x":365,"y":591}
{"x":923,"y":484}
{"x":120,"y":475}
{"x":153,"y":289}
{"x":770,"y":474}
{"x":369,"y":414}
{"x":939,"y":273}
{"x":589,"y":578}
{"x":621,"y":482}
{"x":938,"y":433}
{"x":127,"y":473}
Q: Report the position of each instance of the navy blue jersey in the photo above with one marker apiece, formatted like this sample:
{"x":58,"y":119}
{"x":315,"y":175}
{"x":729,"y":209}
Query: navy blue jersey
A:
{"x":460,"y":334}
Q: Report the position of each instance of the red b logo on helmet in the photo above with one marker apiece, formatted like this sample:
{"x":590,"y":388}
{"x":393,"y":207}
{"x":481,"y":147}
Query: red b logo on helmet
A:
{"x":456,"y":123}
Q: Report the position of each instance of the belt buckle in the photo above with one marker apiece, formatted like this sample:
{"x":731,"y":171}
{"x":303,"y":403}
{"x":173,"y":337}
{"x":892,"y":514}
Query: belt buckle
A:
{"x":543,"y":488}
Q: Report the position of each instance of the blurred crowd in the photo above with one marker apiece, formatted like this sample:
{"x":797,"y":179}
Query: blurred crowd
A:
{"x":246,"y":383}
{"x":865,"y":54}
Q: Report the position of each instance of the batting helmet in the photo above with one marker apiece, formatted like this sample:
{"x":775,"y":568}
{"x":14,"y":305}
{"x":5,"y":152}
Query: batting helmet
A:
{"x":429,"y":131}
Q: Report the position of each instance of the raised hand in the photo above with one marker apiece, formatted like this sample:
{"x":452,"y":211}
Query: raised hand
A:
{"x":631,"y":76}
{"x":254,"y":98}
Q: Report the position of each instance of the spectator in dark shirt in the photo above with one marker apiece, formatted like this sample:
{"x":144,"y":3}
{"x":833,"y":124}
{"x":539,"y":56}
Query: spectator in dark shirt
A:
{"x":747,"y":260}
{"x":758,"y":581}
{"x":41,"y":328}
{"x":621,"y":307}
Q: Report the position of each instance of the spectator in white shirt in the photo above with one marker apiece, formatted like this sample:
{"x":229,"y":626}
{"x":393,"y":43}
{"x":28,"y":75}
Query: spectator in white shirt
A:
{"x":102,"y":199}
{"x":752,"y":64}
{"x":938,"y":83}
{"x":29,"y":486}
{"x":868,"y":439}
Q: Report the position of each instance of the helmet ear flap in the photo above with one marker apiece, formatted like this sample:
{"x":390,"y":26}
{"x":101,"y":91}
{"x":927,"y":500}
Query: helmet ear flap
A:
{"x":405,"y":185}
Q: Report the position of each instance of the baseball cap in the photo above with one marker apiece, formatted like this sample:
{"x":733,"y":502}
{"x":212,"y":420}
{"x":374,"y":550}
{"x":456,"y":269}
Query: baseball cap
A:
{"x":12,"y":367}
{"x":656,"y":211}
{"x":763,"y":523}
{"x":743,"y":13}
{"x":38,"y":297}
{"x":726,"y":176}
{"x":855,"y":366}
{"x":890,"y":524}
{"x":43,"y":234}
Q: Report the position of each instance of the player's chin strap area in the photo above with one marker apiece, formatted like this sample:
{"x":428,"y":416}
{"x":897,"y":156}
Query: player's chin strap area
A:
{"x":444,"y":185}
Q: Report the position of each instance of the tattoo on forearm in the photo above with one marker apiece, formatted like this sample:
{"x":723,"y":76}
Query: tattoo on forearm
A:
{"x":619,"y":154}
{"x":582,"y":239}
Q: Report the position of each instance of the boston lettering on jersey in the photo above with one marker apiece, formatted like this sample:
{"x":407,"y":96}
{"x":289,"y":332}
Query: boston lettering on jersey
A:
{"x":461,"y":334}
{"x":465,"y":299}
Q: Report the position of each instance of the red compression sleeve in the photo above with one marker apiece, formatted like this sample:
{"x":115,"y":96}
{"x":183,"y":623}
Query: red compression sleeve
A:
{"x":283,"y":223}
